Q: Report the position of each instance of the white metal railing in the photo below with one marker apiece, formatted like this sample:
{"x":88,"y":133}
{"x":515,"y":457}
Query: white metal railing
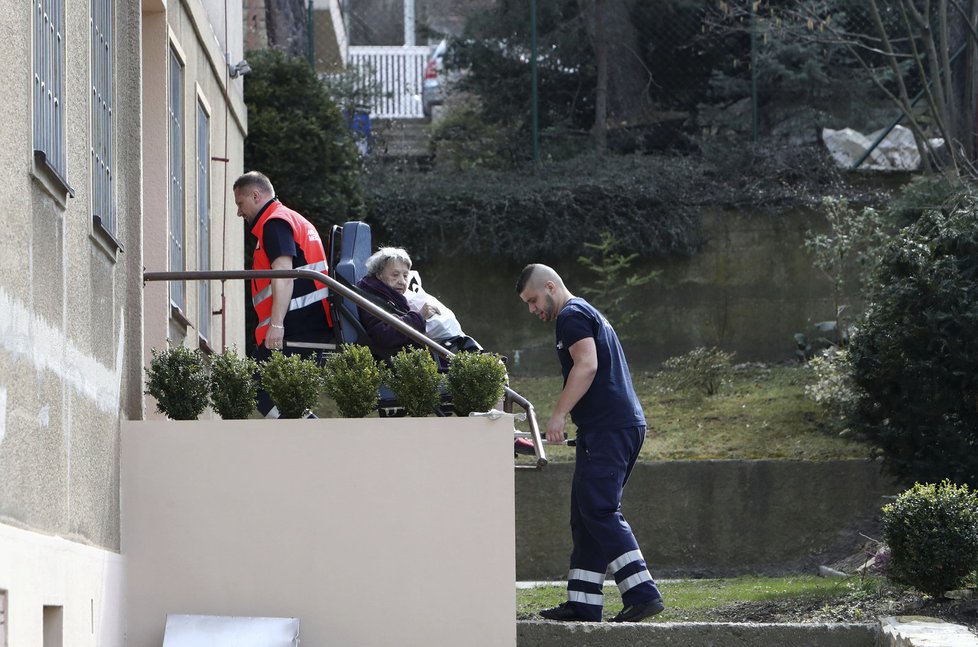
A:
{"x":398,"y":73}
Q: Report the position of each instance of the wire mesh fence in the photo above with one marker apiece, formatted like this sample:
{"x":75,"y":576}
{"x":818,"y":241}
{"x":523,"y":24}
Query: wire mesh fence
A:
{"x":714,"y":70}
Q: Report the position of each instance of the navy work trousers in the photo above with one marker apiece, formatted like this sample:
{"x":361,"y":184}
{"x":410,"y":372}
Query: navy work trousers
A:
{"x":602,"y":537}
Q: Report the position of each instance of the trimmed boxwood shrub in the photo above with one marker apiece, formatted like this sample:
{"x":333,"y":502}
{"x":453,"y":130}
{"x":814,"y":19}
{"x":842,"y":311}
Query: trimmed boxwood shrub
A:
{"x":177,"y":378}
{"x":233,"y":385}
{"x":352,"y":377}
{"x":915,"y":353}
{"x":414,"y":380}
{"x":476,"y":381}
{"x":932,"y":534}
{"x":292,"y":382}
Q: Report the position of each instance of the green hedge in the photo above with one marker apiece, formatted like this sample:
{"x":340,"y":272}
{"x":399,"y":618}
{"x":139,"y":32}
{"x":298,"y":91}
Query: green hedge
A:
{"x":651,"y":204}
{"x":523,"y":214}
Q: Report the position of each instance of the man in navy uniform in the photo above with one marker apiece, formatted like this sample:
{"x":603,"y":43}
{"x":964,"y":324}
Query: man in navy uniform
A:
{"x":599,"y":396}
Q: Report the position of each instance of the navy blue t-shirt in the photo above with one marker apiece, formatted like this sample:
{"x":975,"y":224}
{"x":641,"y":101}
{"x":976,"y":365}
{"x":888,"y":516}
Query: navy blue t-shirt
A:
{"x":307,"y":323}
{"x":610,"y":402}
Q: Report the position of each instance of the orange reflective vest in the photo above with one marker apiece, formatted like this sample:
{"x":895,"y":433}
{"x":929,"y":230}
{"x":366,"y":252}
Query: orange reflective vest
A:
{"x":307,"y":239}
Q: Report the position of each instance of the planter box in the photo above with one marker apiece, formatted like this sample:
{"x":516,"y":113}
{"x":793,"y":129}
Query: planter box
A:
{"x":371,"y":532}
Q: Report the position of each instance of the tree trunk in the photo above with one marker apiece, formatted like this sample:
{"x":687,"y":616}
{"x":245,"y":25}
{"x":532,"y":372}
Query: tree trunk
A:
{"x":628,"y":79}
{"x":287,"y":22}
{"x":964,"y":86}
{"x":621,"y":97}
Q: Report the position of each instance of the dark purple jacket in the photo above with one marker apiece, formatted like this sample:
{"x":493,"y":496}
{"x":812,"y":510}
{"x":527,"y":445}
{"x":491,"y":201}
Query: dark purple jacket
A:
{"x":384,"y":336}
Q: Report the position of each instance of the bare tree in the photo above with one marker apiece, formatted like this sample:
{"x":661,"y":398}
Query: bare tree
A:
{"x":933,"y":40}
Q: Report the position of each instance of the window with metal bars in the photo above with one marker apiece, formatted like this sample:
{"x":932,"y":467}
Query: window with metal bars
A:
{"x":48,"y":94}
{"x":175,"y":107}
{"x":203,"y":221}
{"x":102,"y":121}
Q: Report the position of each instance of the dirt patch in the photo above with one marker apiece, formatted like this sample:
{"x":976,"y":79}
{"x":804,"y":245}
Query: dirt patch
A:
{"x":857,"y":607}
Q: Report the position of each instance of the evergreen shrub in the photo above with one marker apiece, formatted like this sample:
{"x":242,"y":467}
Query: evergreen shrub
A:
{"x":915,"y":354}
{"x":476,"y":381}
{"x":177,"y":378}
{"x":299,"y":139}
{"x":932,"y":535}
{"x":233,"y":386}
{"x":488,"y":213}
{"x":352,"y":378}
{"x":414,"y":380}
{"x":292,"y":382}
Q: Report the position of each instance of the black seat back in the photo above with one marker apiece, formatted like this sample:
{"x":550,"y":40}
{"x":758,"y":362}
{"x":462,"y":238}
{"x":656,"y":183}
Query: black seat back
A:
{"x":349,"y":250}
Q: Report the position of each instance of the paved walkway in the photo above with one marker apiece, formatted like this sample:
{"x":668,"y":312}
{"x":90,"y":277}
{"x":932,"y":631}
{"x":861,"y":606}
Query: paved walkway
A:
{"x":921,"y":631}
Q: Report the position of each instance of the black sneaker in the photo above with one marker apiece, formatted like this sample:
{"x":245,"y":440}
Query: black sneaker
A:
{"x":640,"y":611}
{"x":563,"y":612}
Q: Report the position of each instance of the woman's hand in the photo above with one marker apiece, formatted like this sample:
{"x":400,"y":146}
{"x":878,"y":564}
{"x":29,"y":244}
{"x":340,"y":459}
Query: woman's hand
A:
{"x":428,"y":311}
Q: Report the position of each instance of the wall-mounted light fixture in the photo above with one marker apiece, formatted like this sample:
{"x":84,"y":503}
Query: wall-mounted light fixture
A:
{"x":239,"y":69}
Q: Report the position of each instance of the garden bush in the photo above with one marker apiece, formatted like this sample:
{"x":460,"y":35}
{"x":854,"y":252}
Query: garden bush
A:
{"x":177,"y":378}
{"x":915,"y":355}
{"x":292,"y":382}
{"x":352,"y":378}
{"x":233,"y":387}
{"x":833,"y":387}
{"x":932,"y":535}
{"x":476,"y":382}
{"x":414,"y":380}
{"x":700,"y":371}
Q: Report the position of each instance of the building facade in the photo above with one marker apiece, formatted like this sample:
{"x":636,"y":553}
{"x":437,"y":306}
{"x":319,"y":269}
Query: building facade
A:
{"x":121,"y":135}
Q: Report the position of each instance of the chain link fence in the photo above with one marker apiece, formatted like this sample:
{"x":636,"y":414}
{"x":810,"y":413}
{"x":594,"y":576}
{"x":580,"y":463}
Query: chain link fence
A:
{"x":711,"y":71}
{"x":756,"y":69}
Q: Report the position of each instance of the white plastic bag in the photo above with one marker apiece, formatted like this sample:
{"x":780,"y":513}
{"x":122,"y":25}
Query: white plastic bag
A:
{"x":443,"y":325}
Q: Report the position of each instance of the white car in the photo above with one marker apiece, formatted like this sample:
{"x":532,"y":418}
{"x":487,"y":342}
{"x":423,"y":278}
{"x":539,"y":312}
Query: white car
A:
{"x":432,"y":87}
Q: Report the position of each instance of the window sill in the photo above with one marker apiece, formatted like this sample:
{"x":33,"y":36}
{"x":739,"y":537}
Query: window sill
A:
{"x":50,"y":179}
{"x":177,"y":315}
{"x":204,"y":346}
{"x":104,"y":239}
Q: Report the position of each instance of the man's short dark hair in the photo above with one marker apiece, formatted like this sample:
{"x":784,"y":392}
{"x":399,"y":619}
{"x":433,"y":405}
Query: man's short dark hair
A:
{"x":255,"y":179}
{"x":525,"y":277}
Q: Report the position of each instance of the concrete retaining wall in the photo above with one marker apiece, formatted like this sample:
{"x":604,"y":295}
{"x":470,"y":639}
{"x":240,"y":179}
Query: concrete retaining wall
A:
{"x":714,"y":518}
{"x":697,"y":634}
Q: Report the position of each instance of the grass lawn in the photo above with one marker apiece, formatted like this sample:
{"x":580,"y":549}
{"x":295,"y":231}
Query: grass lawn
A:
{"x":762,"y":413}
{"x":803,"y":598}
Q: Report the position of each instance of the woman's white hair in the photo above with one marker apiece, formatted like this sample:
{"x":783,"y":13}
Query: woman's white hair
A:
{"x":379,"y":259}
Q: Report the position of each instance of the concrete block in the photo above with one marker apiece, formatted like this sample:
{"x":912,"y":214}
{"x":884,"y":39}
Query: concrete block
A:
{"x":697,"y":634}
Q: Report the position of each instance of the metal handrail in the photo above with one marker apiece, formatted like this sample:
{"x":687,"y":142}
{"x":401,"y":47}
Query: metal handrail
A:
{"x":366,"y":304}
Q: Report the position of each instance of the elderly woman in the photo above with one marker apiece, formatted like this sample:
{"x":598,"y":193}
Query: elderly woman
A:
{"x":387,"y":281}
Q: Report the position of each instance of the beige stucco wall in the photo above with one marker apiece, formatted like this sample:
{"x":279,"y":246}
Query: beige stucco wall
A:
{"x":41,"y":571}
{"x":70,"y":305}
{"x":371,"y":532}
{"x":186,"y":26}
{"x":72,"y":311}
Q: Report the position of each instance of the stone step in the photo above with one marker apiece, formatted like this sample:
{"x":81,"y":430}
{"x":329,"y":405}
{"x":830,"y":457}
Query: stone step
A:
{"x":921,"y":631}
